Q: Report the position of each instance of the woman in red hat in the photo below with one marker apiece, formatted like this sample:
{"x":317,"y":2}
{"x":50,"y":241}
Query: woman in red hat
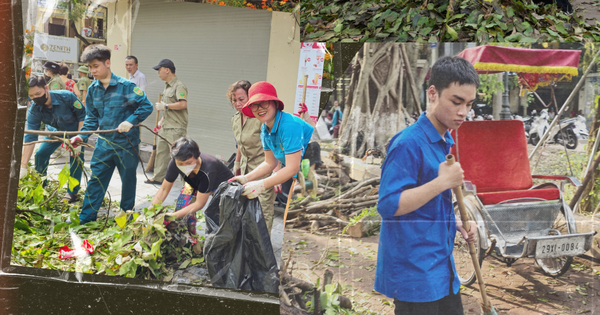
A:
{"x":284,"y":139}
{"x":250,"y":154}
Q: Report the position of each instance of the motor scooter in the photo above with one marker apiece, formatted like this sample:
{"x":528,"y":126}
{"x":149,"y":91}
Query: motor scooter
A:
{"x":562,"y":133}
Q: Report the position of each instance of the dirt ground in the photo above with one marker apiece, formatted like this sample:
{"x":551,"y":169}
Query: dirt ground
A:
{"x":519,"y":289}
{"x":590,"y":11}
{"x":516,"y":290}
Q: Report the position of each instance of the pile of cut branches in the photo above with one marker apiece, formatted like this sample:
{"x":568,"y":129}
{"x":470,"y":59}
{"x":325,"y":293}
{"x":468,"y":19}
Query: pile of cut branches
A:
{"x":135,"y":245}
{"x":435,"y":21}
{"x":351,"y":205}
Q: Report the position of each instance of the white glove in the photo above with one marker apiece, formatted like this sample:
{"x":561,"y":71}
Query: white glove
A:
{"x":254,"y":189}
{"x":240,"y":179}
{"x":236,"y":167}
{"x":76,"y":151}
{"x":124,"y":127}
{"x":161,"y":106}
{"x":23,"y":172}
{"x":74,"y":141}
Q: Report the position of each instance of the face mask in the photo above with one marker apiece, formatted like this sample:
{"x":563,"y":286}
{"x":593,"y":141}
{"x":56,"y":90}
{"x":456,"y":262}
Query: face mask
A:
{"x":187,"y":169}
{"x":41,"y":100}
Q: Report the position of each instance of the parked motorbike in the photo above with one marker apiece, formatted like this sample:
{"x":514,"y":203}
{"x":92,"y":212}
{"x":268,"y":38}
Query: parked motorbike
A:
{"x":580,"y":127}
{"x":526,"y":123}
{"x":562,"y":133}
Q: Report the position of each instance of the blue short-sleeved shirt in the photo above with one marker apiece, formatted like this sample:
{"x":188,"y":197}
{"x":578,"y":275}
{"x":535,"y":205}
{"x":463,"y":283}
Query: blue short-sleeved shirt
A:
{"x":65,"y":114}
{"x":290,"y":134}
{"x":414,"y":262}
{"x":108,"y":108}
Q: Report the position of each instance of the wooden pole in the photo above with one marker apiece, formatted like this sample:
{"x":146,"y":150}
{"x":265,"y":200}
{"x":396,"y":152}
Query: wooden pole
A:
{"x":304,"y":93}
{"x":485,"y":302}
{"x":150,"y":165}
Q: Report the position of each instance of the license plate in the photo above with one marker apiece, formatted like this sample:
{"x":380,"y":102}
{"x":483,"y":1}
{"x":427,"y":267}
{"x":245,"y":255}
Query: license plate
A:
{"x":571,"y":246}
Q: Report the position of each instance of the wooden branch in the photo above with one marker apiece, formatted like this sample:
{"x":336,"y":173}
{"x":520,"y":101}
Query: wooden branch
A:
{"x":33,"y":212}
{"x":321,"y":218}
{"x":586,"y":180}
{"x":284,"y":297}
{"x":301,"y":284}
{"x":360,"y":185}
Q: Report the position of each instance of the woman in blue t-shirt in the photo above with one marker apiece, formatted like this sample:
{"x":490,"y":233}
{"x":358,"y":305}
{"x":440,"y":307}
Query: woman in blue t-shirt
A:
{"x":284,"y":138}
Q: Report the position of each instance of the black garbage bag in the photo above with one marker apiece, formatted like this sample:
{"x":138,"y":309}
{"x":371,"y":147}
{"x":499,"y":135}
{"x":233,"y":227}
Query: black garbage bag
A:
{"x":237,"y":249}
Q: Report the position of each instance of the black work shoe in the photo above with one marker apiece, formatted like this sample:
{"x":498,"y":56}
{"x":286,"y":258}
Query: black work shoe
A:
{"x":71,"y":198}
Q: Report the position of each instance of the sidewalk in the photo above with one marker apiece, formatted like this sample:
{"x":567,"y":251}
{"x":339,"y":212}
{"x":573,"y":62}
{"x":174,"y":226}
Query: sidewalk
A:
{"x":145,"y":192}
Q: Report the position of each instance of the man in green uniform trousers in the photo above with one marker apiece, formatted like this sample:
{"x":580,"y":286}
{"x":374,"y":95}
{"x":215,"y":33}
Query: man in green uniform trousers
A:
{"x":51,"y":70}
{"x":113,"y":102}
{"x":173,"y":124}
{"x":84,"y":82}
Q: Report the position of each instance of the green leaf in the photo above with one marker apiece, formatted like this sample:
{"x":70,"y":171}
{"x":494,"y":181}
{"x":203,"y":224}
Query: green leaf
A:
{"x":338,"y":28}
{"x":63,"y":176}
{"x":452,"y":32}
{"x":156,"y":248}
{"x":197,"y":261}
{"x":38,"y":194}
{"x":510,"y":12}
{"x":74,"y":218}
{"x":551,"y":32}
{"x":21,"y":225}
{"x":185,"y":264}
{"x":561,"y":28}
{"x":73,"y":183}
{"x":60,"y":226}
{"x":423,"y":20}
{"x":121,"y":219}
{"x":327,"y":36}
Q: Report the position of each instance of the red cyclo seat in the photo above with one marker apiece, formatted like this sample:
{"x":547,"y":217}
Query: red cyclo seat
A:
{"x":492,"y":198}
{"x":494,"y":157}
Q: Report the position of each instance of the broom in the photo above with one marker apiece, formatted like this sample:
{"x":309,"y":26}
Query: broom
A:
{"x":150,"y":166}
{"x":486,"y":305}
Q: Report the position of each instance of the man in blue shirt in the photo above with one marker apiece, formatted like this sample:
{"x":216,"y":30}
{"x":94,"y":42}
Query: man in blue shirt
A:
{"x":59,"y":110}
{"x":112,"y":102}
{"x":414,"y":262}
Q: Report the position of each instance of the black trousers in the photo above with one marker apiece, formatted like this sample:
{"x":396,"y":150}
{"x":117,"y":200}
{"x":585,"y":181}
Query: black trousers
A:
{"x":451,"y":304}
{"x":448,"y":305}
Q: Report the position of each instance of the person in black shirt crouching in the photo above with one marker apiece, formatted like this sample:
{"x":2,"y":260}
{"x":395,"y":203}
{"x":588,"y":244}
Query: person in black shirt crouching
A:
{"x":203,"y":172}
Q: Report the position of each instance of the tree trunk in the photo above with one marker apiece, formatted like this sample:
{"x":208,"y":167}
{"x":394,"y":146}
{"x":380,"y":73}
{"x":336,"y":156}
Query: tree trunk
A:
{"x":78,"y":35}
{"x":374,"y":110}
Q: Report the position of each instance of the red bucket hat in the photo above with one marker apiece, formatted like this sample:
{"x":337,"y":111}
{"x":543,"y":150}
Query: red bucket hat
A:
{"x":260,"y":92}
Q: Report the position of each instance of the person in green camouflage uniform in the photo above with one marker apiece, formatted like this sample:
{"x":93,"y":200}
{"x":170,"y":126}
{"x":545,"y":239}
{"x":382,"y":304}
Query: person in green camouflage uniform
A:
{"x":51,"y":70}
{"x":84,"y":82}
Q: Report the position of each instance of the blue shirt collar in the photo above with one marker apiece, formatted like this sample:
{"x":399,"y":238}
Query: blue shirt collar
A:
{"x":432,"y":134}
{"x":276,"y":124}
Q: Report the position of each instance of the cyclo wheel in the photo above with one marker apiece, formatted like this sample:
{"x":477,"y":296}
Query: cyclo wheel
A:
{"x":462,"y":257}
{"x":555,"y":267}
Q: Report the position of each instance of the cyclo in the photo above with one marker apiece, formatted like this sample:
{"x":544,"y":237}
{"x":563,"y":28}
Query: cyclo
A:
{"x":515,"y":219}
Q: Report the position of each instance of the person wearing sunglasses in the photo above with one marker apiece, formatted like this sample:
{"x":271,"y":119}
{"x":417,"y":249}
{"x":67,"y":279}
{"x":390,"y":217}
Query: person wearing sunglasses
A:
{"x":284,"y":139}
{"x":59,"y":110}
